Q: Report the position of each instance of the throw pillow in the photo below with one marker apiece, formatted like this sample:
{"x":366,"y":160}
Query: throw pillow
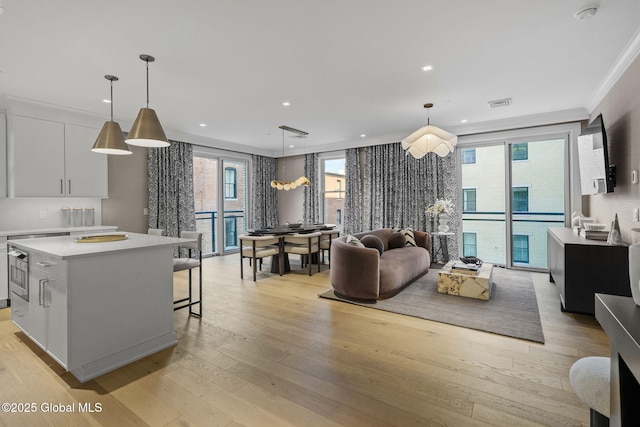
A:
{"x":408,"y":234}
{"x":397,"y":240}
{"x":354,"y":241}
{"x":374,"y":242}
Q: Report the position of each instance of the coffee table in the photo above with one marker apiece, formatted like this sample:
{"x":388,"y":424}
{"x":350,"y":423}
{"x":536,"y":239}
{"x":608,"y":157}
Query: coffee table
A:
{"x":466,"y":283}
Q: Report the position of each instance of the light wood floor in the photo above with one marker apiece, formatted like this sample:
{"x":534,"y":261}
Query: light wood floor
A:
{"x":271,"y":353}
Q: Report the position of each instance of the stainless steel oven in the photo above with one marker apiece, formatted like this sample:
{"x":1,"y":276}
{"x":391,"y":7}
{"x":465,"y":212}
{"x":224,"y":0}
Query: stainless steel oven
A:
{"x":18,"y":273}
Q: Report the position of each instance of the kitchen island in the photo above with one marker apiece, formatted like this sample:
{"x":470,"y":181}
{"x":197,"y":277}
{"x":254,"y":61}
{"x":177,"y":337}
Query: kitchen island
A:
{"x":94,"y":307}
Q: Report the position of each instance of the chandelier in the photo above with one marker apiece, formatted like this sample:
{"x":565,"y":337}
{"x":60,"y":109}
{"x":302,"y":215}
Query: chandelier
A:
{"x":429,"y":138}
{"x":303,"y":180}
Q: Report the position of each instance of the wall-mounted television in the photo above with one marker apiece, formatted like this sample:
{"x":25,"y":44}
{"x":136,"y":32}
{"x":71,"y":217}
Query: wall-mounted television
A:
{"x":596,"y":174}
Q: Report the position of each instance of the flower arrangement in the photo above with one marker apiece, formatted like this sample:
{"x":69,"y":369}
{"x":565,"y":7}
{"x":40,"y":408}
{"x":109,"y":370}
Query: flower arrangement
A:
{"x":441,"y":206}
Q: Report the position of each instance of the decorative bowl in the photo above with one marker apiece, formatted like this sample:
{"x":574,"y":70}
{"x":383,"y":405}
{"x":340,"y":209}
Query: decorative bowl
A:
{"x":594,"y":226}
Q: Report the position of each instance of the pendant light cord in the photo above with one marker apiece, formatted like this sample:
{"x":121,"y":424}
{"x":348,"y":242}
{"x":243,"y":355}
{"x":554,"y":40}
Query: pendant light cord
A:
{"x":111,"y":103}
{"x":147,"y":83}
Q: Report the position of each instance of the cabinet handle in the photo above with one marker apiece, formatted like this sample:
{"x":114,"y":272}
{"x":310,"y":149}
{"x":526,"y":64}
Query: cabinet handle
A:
{"x":44,"y":295}
{"x":69,"y":187}
{"x":44,"y":263}
{"x":61,"y":186}
{"x":40,"y":297}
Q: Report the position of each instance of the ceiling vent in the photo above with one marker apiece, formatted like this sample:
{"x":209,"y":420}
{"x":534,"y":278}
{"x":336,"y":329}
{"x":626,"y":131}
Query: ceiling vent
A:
{"x":500,"y":103}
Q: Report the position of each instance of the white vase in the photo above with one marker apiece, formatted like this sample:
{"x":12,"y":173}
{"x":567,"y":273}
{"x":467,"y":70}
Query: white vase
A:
{"x":634,"y":272}
{"x":443,"y":227}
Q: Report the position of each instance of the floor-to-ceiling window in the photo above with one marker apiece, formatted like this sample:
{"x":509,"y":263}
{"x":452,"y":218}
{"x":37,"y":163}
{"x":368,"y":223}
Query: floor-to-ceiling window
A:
{"x":221,"y":194}
{"x":509,"y":227}
{"x":333,"y":189}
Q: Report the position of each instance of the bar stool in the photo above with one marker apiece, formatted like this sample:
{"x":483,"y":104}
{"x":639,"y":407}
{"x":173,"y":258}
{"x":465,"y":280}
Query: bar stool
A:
{"x":189,"y":263}
{"x":327,"y":236}
{"x":157,"y":232}
{"x":303,"y":244}
{"x":256,"y":248}
{"x":590,"y":380}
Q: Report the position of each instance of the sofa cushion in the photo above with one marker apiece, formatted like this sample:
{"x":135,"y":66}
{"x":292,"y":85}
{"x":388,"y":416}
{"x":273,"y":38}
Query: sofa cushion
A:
{"x":408,"y":234}
{"x":400,"y":267}
{"x":354,"y":241}
{"x":397,"y":240}
{"x":372,"y":241}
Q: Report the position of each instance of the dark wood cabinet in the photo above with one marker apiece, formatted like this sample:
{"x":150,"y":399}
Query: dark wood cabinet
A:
{"x":581,"y":268}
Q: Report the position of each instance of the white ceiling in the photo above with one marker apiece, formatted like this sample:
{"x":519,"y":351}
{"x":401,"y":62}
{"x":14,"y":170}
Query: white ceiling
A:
{"x":348,"y":67}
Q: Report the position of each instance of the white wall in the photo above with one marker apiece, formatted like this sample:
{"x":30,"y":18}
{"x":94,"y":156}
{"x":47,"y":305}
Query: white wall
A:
{"x":24,"y":213}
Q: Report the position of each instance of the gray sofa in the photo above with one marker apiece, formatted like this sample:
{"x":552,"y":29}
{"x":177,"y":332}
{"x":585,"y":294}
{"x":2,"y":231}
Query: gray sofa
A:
{"x":365,"y":274}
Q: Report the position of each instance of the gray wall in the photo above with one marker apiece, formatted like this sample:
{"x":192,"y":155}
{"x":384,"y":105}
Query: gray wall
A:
{"x":621,"y":114}
{"x":290,"y":203}
{"x":128,"y":192}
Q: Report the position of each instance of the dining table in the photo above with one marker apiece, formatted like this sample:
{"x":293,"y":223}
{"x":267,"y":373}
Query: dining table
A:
{"x":284,"y":230}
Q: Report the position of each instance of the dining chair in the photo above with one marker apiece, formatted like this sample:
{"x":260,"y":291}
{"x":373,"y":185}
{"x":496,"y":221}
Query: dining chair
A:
{"x":256,"y":248}
{"x":189,"y":263}
{"x":157,"y":232}
{"x":305,"y":244}
{"x":327,"y":236}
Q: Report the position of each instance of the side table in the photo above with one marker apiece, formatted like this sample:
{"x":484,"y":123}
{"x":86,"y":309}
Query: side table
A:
{"x":441,"y":235}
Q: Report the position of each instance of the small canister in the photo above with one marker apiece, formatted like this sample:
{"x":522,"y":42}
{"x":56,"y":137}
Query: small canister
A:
{"x":76,"y":219}
{"x":66,"y":216}
{"x":89,"y":216}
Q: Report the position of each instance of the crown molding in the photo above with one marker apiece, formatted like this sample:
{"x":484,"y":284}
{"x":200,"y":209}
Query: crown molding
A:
{"x":628,"y":55}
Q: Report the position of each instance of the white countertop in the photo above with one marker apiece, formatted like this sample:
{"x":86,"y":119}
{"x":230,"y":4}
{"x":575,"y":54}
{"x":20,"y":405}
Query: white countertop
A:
{"x":5,"y":233}
{"x":66,"y":247}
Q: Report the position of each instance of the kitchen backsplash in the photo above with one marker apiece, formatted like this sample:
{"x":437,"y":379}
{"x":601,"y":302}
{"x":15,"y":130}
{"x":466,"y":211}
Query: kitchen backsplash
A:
{"x":35,"y":213}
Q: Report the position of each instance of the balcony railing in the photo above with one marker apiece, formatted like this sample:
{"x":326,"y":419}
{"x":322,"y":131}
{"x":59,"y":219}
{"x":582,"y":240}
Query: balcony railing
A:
{"x":489,"y":228}
{"x":206,"y":224}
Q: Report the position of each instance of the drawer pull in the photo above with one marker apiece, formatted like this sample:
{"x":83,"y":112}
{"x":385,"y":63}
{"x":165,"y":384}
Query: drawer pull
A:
{"x":44,"y":263}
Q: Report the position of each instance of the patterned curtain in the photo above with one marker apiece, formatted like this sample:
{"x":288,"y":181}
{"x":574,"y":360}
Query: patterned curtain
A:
{"x":171,"y":204}
{"x":353,"y":192}
{"x":311,"y":212}
{"x":265,"y":198}
{"x":399,"y":188}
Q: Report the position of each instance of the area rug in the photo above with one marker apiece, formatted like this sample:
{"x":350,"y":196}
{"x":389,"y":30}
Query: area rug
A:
{"x":511,"y":311}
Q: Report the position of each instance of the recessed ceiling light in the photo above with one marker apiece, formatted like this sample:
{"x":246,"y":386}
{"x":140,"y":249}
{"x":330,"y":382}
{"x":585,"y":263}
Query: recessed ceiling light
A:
{"x":427,"y":68}
{"x":362,"y":135}
{"x":586,"y":13}
{"x":106,"y":101}
{"x":291,"y":146}
{"x":286,"y":103}
{"x":463,"y":121}
{"x":203,"y":125}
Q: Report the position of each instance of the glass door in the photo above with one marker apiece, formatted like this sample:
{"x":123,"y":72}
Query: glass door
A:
{"x":234,"y":218}
{"x":537,"y":198}
{"x":220,"y":193}
{"x":511,"y":192}
{"x":205,"y":194}
{"x":483,"y":203}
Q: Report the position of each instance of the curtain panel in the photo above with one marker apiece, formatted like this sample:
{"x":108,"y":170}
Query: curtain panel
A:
{"x":264,"y":198}
{"x":311,"y":203}
{"x":170,"y":174}
{"x":398,"y":189}
{"x":353,"y":192}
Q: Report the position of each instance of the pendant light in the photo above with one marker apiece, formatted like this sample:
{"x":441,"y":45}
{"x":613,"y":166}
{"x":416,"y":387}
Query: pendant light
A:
{"x":111,"y":139}
{"x":429,"y":138}
{"x":147,"y":130}
{"x":290,"y":185}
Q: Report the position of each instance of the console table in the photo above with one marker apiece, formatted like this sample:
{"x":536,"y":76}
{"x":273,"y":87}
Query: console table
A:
{"x":620,"y":319}
{"x":581,"y":268}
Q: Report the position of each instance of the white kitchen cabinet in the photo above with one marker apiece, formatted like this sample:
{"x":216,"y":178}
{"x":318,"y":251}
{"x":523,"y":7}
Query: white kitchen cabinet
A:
{"x":48,"y":307}
{"x":3,"y":156}
{"x":85,"y":171}
{"x":4,"y":273}
{"x":54,"y":159}
{"x":36,"y":157}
